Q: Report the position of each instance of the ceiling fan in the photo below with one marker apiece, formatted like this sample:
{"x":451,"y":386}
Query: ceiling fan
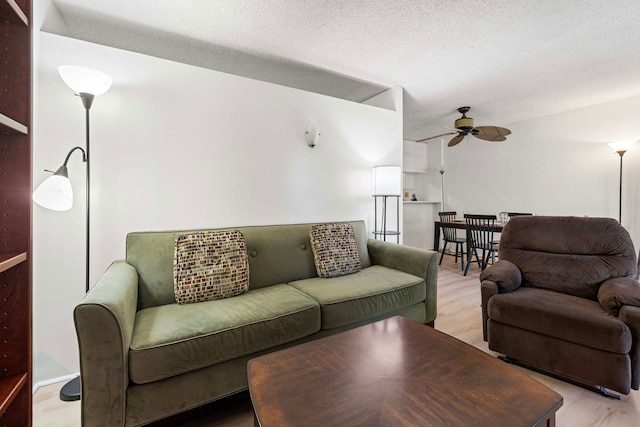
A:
{"x":464,"y":126}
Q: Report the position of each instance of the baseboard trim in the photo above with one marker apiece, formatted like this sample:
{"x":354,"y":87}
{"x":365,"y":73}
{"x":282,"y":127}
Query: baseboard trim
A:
{"x":50,"y":381}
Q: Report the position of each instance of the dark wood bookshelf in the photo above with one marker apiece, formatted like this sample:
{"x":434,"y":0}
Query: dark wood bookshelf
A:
{"x":16,"y":212}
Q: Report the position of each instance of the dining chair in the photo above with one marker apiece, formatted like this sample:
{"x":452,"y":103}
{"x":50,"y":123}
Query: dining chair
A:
{"x":450,"y":235}
{"x":480,"y":229}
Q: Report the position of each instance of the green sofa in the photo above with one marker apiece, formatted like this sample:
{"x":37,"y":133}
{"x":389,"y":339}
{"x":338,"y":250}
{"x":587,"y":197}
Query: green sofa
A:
{"x":143,"y":357}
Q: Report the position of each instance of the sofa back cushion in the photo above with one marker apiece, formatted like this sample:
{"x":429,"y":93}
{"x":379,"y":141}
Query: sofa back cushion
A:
{"x":571,"y":255}
{"x":277,"y":254}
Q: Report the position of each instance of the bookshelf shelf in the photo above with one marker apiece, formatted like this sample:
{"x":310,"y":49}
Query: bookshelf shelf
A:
{"x":8,"y":125}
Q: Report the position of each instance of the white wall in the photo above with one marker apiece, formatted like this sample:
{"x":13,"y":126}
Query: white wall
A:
{"x":180,"y":147}
{"x":419,"y":177}
{"x":554,"y":165}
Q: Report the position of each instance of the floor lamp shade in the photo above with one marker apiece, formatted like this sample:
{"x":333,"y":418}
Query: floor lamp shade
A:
{"x":85,"y":80}
{"x":55,"y":192}
{"x":621,"y":146}
{"x":387,"y":180}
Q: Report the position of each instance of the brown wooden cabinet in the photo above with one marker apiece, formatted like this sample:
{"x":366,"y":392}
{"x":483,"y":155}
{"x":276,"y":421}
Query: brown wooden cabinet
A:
{"x":15,"y":213}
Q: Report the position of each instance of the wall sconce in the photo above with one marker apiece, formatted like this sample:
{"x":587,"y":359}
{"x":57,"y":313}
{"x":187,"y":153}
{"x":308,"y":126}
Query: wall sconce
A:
{"x":312,"y":133}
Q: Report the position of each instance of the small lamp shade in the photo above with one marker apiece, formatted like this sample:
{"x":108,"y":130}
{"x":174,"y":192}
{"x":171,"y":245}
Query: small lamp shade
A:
{"x":55,"y":192}
{"x":387,"y":180}
{"x":85,"y":80}
{"x":623,"y":146}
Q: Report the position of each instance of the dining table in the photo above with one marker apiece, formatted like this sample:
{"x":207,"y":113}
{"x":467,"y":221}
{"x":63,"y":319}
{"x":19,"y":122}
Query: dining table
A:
{"x":461,"y":224}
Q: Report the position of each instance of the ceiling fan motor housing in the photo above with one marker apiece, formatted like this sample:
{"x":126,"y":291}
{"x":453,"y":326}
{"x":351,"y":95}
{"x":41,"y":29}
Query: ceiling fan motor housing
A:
{"x":464,"y":123}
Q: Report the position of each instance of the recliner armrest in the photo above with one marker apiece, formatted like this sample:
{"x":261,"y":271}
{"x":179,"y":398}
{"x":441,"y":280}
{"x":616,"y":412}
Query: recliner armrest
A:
{"x":617,"y":292}
{"x":505,"y":274}
{"x":630,"y":315}
{"x":487,"y":290}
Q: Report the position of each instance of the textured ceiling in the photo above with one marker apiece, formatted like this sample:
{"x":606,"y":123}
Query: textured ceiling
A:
{"x":510,"y":60}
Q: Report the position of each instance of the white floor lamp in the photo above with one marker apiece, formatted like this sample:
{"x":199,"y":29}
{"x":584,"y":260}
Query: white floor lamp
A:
{"x":55,"y":192}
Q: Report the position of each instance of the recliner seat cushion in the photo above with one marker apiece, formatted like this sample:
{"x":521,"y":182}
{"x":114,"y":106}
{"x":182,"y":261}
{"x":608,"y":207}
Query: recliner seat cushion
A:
{"x":363,"y":295}
{"x":172,"y":339}
{"x":566,"y":317}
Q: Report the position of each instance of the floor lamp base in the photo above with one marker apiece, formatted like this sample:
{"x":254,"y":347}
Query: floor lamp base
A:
{"x":71,"y":390}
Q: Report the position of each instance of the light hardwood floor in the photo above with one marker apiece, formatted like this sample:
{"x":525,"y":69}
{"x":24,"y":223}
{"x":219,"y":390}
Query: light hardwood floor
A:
{"x":459,"y":315}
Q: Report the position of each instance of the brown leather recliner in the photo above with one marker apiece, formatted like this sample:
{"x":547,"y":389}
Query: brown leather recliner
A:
{"x":563,"y":298}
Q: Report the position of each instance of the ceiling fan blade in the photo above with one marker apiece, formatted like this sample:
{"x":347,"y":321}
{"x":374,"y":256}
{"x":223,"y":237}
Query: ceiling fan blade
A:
{"x":491,"y":133}
{"x":437,"y":136}
{"x":456,"y":140}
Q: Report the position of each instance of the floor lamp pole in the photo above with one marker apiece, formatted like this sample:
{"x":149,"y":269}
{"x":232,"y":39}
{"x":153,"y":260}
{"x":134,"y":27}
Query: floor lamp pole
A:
{"x":621,"y":153}
{"x":442,"y":190}
{"x":87,"y":100}
{"x":71,"y":390}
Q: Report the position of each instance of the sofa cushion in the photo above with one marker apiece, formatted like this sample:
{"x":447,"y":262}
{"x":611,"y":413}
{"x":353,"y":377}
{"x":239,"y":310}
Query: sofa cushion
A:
{"x":335,"y":252}
{"x":369,"y":293}
{"x":172,"y":339}
{"x":574,"y":319}
{"x":210,"y":265}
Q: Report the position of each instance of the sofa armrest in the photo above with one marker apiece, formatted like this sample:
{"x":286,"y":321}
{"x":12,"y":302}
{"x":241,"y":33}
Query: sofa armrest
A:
{"x":104,"y":325}
{"x":419,"y":262}
{"x":630,"y":315}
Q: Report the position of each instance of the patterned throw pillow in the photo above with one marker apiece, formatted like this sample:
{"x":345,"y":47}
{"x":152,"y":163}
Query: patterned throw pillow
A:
{"x":335,"y":251}
{"x":210,"y":265}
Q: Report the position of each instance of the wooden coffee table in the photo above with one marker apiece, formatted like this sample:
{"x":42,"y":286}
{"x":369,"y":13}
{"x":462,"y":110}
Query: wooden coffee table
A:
{"x":394,"y":372}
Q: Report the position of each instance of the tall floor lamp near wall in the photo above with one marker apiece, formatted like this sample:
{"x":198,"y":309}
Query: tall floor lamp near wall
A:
{"x":55,"y":192}
{"x":621,"y":147}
